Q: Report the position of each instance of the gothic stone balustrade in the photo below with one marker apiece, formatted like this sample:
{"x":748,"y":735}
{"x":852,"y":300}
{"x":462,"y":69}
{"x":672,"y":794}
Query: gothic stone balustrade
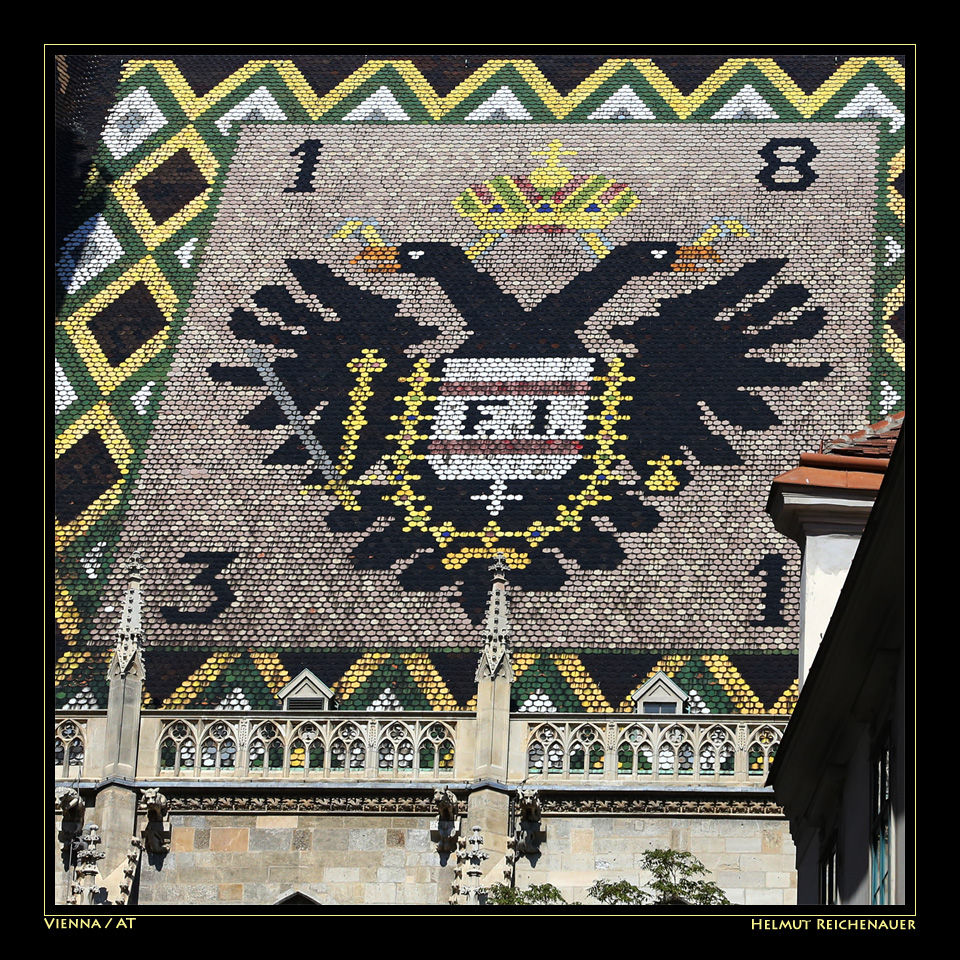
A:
{"x":330,"y":746}
{"x":341,"y":746}
{"x":674,"y":750}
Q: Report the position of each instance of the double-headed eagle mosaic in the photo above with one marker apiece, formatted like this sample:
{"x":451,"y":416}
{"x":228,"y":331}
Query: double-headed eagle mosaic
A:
{"x":519,"y":440}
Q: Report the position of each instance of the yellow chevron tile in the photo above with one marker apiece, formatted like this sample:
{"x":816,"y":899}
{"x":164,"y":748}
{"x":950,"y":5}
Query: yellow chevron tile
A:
{"x":892,"y":343}
{"x":787,"y":700}
{"x":523,"y":662}
{"x":895,"y":201}
{"x":192,"y":105}
{"x":894,"y":346}
{"x":735,"y":687}
{"x":356,"y":675}
{"x":421,"y":669}
{"x":575,"y":673}
{"x":65,"y":612}
{"x":68,"y":662}
{"x":274,"y":673}
{"x":199,"y":680}
{"x":558,"y":104}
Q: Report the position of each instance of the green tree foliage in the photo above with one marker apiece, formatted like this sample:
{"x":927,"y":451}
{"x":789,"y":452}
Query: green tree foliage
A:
{"x":619,"y":892}
{"x":675,"y":881}
{"x":501,"y":895}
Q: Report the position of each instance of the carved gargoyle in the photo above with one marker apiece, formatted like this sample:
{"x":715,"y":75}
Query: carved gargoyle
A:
{"x":529,"y":833}
{"x":447,"y":803}
{"x":158,"y":806}
{"x":528,"y":804}
{"x":446,"y":828}
{"x":156,"y":834}
{"x":73,"y":810}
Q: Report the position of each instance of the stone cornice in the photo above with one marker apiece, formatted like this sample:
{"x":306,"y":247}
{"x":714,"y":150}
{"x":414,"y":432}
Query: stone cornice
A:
{"x":799,"y":512}
{"x":726,"y":806}
{"x":410,"y":802}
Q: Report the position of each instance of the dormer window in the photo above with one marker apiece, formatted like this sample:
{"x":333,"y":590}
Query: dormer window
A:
{"x":659,"y":706}
{"x":305,"y":693}
{"x":306,"y":704}
{"x":660,"y":695}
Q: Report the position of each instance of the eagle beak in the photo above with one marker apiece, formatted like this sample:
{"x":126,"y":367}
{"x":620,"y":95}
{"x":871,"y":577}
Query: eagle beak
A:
{"x":378,"y":259}
{"x":689,"y":258}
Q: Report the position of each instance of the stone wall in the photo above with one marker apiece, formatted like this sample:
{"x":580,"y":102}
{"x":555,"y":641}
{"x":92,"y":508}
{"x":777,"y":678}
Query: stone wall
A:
{"x":750,"y":859}
{"x":249,"y":859}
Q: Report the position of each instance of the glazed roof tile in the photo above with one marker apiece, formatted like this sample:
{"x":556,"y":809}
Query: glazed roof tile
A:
{"x":876,"y":441}
{"x":854,"y":461}
{"x":768,"y":676}
{"x":367,"y":679}
{"x":120,"y":327}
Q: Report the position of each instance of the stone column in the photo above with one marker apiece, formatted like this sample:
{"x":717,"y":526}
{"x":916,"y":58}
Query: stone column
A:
{"x":490,"y":811}
{"x":116,"y":802}
{"x":494,"y":677}
{"x":490,"y":807}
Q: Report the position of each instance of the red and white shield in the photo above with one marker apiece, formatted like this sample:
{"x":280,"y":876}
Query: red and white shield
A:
{"x":515,"y":419}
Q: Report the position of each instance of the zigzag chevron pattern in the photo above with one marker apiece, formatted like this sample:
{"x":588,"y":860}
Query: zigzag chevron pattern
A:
{"x":128,"y":271}
{"x":545,"y":683}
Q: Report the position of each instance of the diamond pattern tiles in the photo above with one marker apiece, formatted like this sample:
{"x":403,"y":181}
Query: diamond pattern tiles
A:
{"x":131,"y":122}
{"x":170,"y":186}
{"x":85,"y":470}
{"x":168,"y":189}
{"x":129,"y":271}
{"x":124,"y":326}
{"x":87,"y":252}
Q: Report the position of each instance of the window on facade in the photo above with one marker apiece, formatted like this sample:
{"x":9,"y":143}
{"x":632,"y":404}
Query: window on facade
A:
{"x":659,"y":706}
{"x":880,"y":827}
{"x":829,"y":877}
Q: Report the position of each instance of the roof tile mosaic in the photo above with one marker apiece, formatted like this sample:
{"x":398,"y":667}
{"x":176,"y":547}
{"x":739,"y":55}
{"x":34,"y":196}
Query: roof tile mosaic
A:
{"x":335,"y":333}
{"x":80,"y":679}
{"x":249,"y":680}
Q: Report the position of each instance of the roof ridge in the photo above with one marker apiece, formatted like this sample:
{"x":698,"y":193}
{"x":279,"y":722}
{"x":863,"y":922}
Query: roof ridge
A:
{"x":875,"y":440}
